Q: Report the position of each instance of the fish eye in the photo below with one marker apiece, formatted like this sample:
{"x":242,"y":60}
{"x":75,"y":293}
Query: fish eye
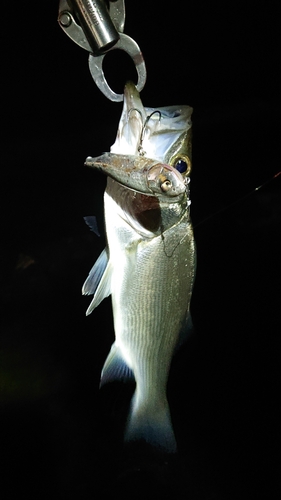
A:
{"x":182,"y":164}
{"x":166,"y":185}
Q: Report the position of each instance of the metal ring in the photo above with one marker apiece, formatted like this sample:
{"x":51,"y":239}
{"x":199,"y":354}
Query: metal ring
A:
{"x":132,"y":49}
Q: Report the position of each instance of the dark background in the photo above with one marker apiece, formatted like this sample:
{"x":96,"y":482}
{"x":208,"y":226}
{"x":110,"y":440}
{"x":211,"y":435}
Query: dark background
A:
{"x":60,"y":436}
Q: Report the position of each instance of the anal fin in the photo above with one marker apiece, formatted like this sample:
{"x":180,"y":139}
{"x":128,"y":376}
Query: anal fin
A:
{"x":115,"y":368}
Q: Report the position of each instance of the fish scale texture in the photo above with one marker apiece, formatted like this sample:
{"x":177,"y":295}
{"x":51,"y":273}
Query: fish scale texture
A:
{"x":151,"y":287}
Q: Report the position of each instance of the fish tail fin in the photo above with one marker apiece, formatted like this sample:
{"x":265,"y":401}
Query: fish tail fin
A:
{"x":151,"y":424}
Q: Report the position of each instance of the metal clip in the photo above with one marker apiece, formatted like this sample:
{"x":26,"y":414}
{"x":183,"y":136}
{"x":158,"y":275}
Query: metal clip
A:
{"x":96,"y":29}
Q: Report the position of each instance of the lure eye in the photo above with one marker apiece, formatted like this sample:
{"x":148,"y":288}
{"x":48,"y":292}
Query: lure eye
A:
{"x":166,"y":186}
{"x":182,"y":164}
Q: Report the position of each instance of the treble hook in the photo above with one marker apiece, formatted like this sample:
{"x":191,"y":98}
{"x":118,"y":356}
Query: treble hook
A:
{"x":140,"y":148}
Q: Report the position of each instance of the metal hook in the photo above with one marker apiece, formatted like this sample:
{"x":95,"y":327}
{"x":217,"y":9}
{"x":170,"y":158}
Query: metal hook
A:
{"x":151,"y":114}
{"x":140,"y":148}
{"x":135,"y":109}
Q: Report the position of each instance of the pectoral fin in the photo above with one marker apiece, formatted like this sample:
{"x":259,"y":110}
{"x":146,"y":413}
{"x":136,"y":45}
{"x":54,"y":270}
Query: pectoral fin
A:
{"x":91,"y":221}
{"x":96,"y":274}
{"x":98,"y":281}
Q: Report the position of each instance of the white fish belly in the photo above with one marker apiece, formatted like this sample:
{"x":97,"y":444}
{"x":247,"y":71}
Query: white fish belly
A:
{"x":151,"y":288}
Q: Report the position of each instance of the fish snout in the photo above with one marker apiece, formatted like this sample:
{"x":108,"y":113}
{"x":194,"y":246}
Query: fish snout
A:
{"x":166,"y":180}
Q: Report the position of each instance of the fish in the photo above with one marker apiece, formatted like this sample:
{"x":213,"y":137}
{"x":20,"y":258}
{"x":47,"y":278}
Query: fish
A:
{"x":148,"y":265}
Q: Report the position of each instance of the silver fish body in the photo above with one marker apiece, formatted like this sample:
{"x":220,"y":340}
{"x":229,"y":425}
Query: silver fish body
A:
{"x":148,"y":268}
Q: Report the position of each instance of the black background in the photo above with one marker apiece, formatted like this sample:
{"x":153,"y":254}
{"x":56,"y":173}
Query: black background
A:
{"x":60,"y":436}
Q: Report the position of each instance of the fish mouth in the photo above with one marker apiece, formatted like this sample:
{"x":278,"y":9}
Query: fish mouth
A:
{"x":151,"y":150}
{"x":157,"y":133}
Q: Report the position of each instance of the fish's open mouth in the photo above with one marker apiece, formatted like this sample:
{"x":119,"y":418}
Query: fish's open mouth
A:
{"x":162,"y":133}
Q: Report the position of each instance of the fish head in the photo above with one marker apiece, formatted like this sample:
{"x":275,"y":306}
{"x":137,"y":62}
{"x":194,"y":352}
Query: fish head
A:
{"x":162,"y":134}
{"x":152,"y":150}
